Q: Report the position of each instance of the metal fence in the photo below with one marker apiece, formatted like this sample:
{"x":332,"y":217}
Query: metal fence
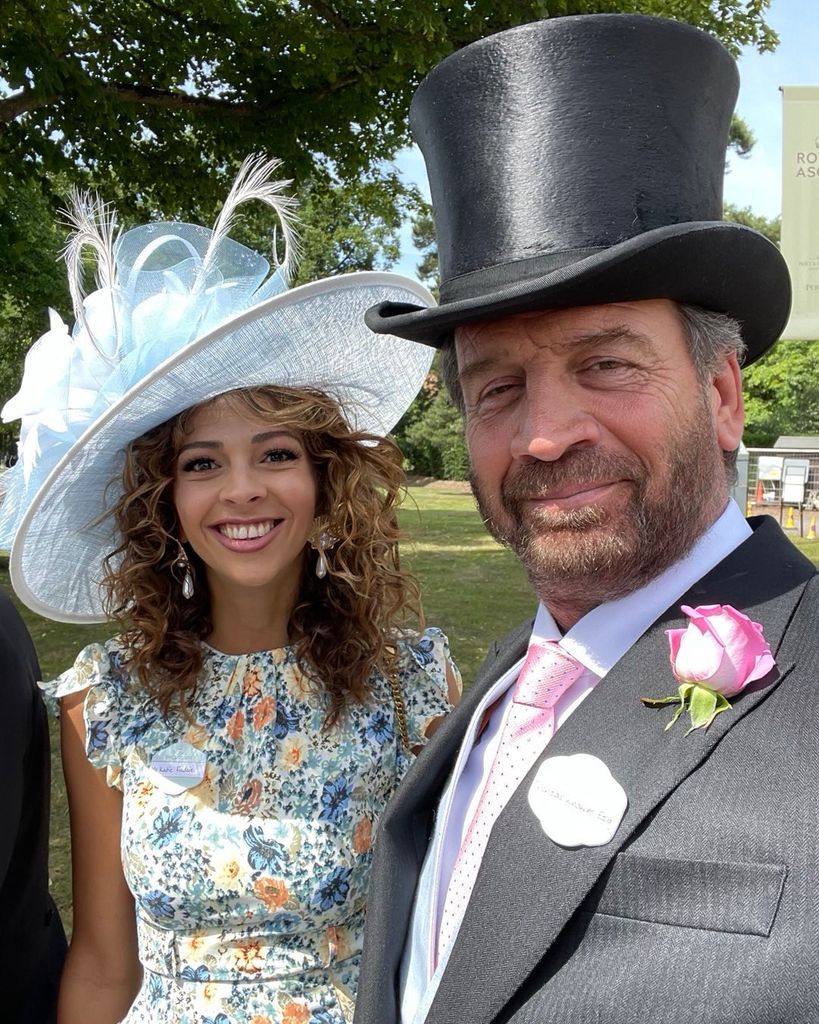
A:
{"x":772,"y":478}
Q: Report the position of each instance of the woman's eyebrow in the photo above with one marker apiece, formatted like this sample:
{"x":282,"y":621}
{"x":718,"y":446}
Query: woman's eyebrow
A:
{"x":266,"y":435}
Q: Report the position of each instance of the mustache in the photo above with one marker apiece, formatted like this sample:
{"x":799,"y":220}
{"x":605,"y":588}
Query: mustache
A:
{"x":583,"y":466}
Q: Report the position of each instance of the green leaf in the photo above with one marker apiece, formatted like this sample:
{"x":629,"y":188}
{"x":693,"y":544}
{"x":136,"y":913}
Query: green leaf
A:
{"x":676,"y":715}
{"x":702,"y":706}
{"x":660,"y":702}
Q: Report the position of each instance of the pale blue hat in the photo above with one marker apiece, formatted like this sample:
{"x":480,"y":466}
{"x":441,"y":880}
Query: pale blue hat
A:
{"x":181,"y":314}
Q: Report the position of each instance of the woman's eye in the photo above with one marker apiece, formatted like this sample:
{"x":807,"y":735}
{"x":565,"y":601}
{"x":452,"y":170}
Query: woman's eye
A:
{"x":201,"y":464}
{"x":280,"y":455}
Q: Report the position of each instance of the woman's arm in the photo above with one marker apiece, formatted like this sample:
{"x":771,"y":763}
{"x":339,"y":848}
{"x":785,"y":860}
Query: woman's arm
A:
{"x":102,"y":972}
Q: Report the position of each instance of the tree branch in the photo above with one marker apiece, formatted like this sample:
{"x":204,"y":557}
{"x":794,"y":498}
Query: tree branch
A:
{"x":20,"y":102}
{"x":325,"y":11}
{"x":29,"y":99}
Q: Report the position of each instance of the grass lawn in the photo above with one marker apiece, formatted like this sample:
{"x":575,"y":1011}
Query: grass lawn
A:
{"x":473,"y":589}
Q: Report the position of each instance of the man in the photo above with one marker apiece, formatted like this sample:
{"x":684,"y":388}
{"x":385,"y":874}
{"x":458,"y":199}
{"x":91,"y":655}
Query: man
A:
{"x":32,"y":942}
{"x":558,"y":854}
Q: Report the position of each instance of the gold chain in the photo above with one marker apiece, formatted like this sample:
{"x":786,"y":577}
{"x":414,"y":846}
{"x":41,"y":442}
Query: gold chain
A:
{"x":400,"y":708}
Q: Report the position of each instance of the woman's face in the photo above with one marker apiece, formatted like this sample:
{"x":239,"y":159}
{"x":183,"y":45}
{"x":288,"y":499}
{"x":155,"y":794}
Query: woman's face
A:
{"x":245,"y":495}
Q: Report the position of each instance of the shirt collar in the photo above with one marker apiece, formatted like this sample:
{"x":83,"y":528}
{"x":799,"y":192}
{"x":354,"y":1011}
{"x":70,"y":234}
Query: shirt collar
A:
{"x":601,"y":638}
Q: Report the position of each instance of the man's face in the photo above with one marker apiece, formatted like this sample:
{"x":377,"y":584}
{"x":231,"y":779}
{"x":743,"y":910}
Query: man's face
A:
{"x":596,"y":451}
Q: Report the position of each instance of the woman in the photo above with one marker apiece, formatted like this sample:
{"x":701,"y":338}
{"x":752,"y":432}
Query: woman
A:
{"x":228,"y":753}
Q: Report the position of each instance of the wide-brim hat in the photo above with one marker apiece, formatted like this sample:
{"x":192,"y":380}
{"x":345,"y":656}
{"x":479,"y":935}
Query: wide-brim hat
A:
{"x":178,"y":343}
{"x":579,"y":161}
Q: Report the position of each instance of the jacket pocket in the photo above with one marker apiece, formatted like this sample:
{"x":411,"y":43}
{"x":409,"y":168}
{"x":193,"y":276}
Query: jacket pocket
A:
{"x":715,"y":895}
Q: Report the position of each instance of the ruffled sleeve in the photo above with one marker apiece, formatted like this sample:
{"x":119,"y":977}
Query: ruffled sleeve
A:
{"x":422,"y":674}
{"x":96,"y":670}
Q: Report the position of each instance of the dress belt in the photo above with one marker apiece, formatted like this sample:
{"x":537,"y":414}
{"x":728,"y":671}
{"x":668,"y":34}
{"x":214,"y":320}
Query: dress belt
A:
{"x":250,"y":955}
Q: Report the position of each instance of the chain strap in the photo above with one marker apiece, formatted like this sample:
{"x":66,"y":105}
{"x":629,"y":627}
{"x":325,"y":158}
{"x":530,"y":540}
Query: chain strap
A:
{"x":400,"y":708}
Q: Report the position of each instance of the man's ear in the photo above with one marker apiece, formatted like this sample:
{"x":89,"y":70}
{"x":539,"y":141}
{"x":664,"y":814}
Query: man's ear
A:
{"x":729,"y":408}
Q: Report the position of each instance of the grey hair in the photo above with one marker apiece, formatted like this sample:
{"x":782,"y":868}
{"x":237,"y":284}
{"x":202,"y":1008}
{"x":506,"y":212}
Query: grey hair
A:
{"x":712,"y":338}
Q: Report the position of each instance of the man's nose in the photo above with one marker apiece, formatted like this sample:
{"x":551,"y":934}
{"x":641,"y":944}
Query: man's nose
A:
{"x":551,"y":423}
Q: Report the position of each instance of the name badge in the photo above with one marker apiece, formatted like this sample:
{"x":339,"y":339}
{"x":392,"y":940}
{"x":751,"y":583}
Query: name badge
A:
{"x":179,"y":767}
{"x":577,"y":800}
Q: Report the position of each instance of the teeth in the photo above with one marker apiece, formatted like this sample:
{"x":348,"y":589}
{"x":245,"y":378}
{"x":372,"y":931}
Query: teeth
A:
{"x":246,"y":531}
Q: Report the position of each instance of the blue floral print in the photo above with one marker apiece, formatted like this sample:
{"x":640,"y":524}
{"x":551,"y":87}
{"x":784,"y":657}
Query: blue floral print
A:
{"x":333,"y":890}
{"x":335,"y":796}
{"x":379,"y":727}
{"x":167,"y":825}
{"x":199,"y":973}
{"x":285,"y":722}
{"x":160,"y":904}
{"x":259,"y":871}
{"x":134,"y":731}
{"x":264,"y":855}
{"x":96,"y":737}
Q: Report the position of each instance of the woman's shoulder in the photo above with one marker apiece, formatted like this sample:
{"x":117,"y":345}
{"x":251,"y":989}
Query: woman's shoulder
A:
{"x":425,"y":671}
{"x":425,"y":649}
{"x":97,"y":664}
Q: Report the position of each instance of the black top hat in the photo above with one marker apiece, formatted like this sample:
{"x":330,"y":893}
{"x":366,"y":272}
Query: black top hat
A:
{"x":578,"y":161}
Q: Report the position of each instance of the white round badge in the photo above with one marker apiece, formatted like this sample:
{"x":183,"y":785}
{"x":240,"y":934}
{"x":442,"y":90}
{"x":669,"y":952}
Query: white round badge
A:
{"x":577,"y":800}
{"x":178,"y":767}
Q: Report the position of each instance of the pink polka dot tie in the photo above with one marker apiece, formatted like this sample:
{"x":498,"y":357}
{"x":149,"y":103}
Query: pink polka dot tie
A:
{"x":547,"y":673}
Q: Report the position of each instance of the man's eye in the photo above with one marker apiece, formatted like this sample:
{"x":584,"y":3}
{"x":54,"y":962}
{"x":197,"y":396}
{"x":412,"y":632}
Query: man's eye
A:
{"x":495,"y":391}
{"x":609,"y":364}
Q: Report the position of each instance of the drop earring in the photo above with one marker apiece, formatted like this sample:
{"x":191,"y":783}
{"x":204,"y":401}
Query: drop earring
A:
{"x":322,"y":541}
{"x":182,"y":567}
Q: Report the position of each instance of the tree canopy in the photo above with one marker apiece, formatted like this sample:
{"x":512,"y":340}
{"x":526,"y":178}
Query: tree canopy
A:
{"x":156,"y":102}
{"x":161,"y":99}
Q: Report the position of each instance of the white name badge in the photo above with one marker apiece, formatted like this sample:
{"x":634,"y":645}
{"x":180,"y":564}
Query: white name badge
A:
{"x":178,"y":767}
{"x":577,"y":800}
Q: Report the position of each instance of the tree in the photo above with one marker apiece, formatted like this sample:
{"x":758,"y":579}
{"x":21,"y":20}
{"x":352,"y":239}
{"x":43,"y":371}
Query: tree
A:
{"x":771,"y":229}
{"x":353,"y":225}
{"x":782,"y":393}
{"x":161,"y":99}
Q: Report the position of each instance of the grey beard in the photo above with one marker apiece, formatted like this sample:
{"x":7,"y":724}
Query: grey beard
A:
{"x":587,"y":565}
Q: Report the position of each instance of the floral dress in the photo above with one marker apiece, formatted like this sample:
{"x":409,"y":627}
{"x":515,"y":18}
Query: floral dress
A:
{"x":250,"y":877}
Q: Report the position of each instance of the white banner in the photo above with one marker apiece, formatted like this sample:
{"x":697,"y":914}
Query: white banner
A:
{"x":800,"y":206}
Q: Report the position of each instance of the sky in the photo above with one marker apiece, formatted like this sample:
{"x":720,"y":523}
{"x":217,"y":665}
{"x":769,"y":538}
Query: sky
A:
{"x":756,"y":180}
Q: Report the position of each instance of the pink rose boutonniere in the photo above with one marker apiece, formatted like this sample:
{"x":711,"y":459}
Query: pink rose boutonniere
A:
{"x":719,"y":653}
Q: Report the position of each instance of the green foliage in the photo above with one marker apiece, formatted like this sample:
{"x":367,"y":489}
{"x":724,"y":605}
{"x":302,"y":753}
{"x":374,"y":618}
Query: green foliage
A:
{"x":423,"y":238}
{"x":431,"y":435}
{"x":782,"y":393}
{"x":160,"y":101}
{"x":353,"y":225}
{"x":740,"y":137}
{"x":744,"y":215}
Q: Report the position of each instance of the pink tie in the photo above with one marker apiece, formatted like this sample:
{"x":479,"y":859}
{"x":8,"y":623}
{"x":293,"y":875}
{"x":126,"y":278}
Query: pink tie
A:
{"x":546,"y":674}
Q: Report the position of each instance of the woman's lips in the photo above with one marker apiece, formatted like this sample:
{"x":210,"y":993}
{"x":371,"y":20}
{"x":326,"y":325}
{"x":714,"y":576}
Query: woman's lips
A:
{"x":246,"y":536}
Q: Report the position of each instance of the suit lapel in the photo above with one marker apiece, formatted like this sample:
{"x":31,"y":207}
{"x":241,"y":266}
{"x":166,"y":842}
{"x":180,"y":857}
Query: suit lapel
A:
{"x":528,"y":888}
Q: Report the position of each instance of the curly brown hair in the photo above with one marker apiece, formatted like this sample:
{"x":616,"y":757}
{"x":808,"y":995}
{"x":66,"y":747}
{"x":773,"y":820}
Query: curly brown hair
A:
{"x":343,"y":626}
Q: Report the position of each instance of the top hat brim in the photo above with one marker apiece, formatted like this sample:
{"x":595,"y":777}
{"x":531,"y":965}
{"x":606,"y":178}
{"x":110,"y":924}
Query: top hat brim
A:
{"x":717,"y":265}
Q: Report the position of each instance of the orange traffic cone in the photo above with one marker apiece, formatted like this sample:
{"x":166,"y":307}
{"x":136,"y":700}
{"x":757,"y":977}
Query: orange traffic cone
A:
{"x":812,"y":528}
{"x":760,"y":493}
{"x":789,"y":525}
